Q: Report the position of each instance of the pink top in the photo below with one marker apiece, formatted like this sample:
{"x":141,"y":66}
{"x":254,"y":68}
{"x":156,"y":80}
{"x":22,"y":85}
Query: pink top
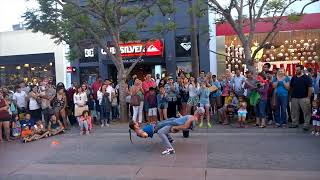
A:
{"x":147,"y":84}
{"x":89,"y":120}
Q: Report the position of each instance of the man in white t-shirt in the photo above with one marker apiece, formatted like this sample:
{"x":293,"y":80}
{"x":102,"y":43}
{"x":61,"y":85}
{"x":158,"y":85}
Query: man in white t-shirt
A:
{"x":237,"y":82}
{"x":19,"y":99}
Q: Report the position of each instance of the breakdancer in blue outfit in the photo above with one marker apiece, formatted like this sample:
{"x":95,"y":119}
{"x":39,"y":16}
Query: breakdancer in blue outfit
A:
{"x":163,"y":128}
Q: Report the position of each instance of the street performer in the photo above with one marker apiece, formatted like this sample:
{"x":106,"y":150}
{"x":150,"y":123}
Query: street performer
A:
{"x":163,"y":128}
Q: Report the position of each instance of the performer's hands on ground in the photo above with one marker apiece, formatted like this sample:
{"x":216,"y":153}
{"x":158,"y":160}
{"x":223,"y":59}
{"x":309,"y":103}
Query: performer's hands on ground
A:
{"x":174,"y":129}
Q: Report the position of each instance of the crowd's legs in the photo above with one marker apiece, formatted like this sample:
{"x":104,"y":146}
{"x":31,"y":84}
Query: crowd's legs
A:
{"x":305,"y":105}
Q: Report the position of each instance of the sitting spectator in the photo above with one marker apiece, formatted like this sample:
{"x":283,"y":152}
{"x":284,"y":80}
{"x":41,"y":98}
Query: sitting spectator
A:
{"x":16,"y":127}
{"x":40,"y":131}
{"x":27,"y":121}
{"x":55,"y":127}
{"x":242,"y":114}
{"x":85,"y":123}
{"x":26,"y":133}
{"x":162,"y":103}
{"x":230,"y":105}
{"x":152,"y":104}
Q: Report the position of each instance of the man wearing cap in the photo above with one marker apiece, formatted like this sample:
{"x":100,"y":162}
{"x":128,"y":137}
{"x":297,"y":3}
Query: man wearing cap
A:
{"x":163,"y":128}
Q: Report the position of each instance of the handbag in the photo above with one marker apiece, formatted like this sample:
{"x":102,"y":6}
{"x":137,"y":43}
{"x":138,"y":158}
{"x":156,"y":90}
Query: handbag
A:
{"x":135,"y":100}
{"x":79,"y":110}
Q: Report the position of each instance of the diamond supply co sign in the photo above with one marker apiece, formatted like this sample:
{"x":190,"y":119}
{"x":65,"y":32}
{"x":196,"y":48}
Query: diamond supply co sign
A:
{"x":136,"y":49}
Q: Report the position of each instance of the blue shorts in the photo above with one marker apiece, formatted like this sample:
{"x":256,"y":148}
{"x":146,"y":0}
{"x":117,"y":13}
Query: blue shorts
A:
{"x":242,"y":113}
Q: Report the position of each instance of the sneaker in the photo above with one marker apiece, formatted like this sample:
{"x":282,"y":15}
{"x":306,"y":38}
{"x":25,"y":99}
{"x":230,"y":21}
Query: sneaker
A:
{"x":87,"y":133}
{"x":102,"y":125}
{"x":317,"y":134}
{"x":201,"y":124}
{"x":209,"y":125}
{"x":305,"y":128}
{"x":171,"y":141}
{"x":107,"y":125}
{"x":313,"y":132}
{"x":81,"y":132}
{"x":270,"y":122}
{"x":168,"y":151}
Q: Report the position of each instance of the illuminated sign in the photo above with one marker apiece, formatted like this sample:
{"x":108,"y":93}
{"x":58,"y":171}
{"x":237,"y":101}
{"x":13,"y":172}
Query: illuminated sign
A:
{"x":71,"y":69}
{"x":152,"y":48}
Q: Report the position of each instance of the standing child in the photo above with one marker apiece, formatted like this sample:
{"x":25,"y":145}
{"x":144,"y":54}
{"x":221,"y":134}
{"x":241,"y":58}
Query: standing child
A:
{"x":204,"y":102}
{"x":85,"y":123}
{"x":152,"y":104}
{"x":162,"y":101}
{"x":315,"y":118}
{"x":92,"y":108}
{"x":242,"y":113}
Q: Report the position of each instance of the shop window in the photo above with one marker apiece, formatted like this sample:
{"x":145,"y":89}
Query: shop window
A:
{"x":11,"y":75}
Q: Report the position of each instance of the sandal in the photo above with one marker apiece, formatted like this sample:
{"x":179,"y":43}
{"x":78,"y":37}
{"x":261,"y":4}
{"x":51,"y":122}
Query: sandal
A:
{"x":262,"y":126}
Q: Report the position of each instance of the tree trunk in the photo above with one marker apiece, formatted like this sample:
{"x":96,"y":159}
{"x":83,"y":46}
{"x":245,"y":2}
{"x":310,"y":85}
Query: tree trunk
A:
{"x":248,"y":59}
{"x":194,"y":41}
{"x":122,"y":97}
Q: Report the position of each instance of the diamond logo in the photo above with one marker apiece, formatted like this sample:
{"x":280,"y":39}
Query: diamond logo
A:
{"x":186,"y":46}
{"x":89,"y":52}
{"x":152,"y":48}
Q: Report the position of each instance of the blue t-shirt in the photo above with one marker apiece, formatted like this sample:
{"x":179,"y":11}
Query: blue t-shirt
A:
{"x":149,"y":130}
{"x":280,"y":89}
{"x":29,"y":123}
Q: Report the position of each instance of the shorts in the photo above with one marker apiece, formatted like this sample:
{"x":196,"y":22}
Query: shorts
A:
{"x":204,"y":105}
{"x":152,"y":112}
{"x":5,"y":119}
{"x":193,"y":101}
{"x":242,"y":113}
{"x":163,"y":106}
{"x":315,"y":122}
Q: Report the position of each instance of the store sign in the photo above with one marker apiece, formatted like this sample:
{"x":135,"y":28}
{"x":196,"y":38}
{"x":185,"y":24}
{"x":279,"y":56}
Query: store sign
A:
{"x":71,"y":69}
{"x":152,"y":48}
{"x":89,"y":52}
{"x":186,"y":46}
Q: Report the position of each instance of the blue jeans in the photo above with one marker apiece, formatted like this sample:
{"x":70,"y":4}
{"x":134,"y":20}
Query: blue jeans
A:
{"x":115,"y":112}
{"x":281,"y":110}
{"x":260,"y":109}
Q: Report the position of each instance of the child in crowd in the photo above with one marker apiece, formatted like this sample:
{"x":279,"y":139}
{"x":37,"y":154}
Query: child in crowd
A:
{"x":114,"y":105}
{"x":315,"y":118}
{"x":205,"y":102}
{"x":16,"y":127}
{"x":55,"y":127}
{"x":26,"y":133}
{"x":230,"y":104}
{"x":152,"y":104}
{"x":85,"y":123}
{"x":27,"y":121}
{"x":40,"y":131}
{"x":242,"y":113}
{"x":162,"y":101}
{"x":92,"y":107}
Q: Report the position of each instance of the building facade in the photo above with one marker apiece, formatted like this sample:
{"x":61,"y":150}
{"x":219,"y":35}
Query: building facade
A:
{"x":29,"y":56}
{"x":171,"y":52}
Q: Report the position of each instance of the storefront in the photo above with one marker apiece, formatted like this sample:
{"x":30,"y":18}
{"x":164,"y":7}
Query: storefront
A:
{"x":30,"y":57}
{"x":296,"y":43}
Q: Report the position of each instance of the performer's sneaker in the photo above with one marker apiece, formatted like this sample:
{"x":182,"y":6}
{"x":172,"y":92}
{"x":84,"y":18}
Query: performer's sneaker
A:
{"x":168,"y":151}
{"x":171,"y":140}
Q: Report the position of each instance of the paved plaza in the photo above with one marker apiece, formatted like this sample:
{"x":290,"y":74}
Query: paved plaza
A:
{"x":219,"y":153}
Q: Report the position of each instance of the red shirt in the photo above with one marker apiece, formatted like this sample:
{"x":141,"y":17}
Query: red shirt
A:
{"x":95,"y":87}
{"x":4,"y":114}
